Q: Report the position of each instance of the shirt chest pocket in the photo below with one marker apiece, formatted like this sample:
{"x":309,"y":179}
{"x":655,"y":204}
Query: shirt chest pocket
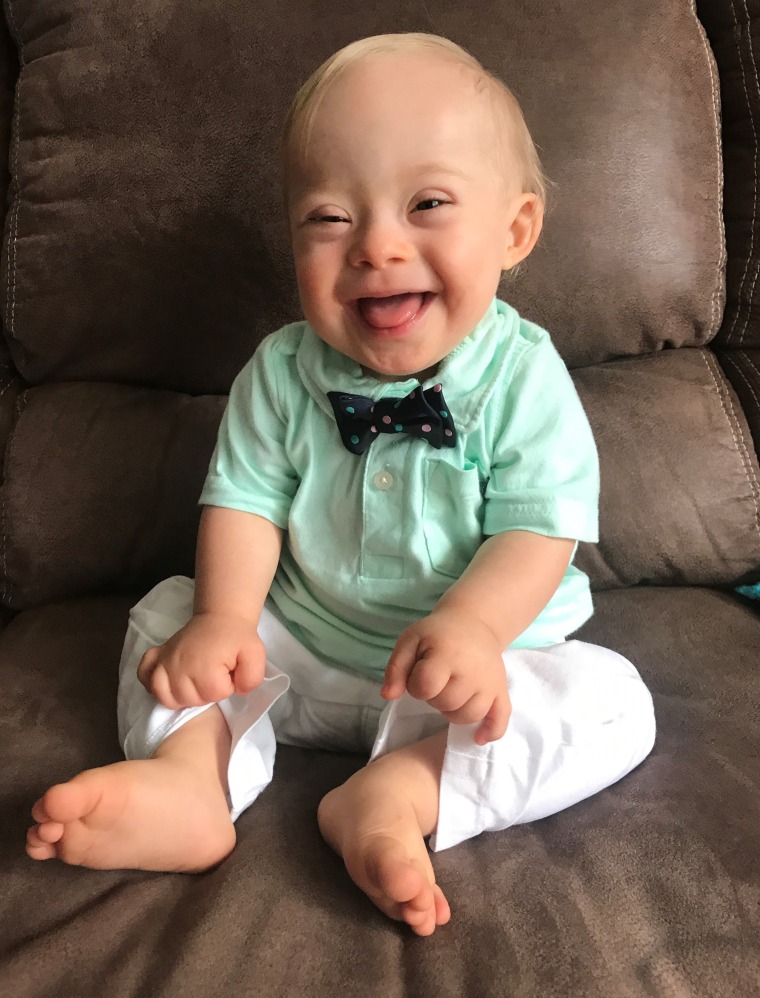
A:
{"x":452,"y":516}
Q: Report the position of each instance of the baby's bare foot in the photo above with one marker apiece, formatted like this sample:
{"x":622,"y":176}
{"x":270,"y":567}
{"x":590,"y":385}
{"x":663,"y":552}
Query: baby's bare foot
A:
{"x":154,"y":814}
{"x":377,"y":833}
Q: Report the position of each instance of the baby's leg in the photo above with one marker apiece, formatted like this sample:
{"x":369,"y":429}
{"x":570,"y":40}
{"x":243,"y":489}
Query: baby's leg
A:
{"x":581,"y":719}
{"x":169,"y":812}
{"x":377,"y":820}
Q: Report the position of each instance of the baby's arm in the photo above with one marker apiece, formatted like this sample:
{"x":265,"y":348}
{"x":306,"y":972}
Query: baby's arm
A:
{"x":218,"y":652}
{"x":452,"y":658}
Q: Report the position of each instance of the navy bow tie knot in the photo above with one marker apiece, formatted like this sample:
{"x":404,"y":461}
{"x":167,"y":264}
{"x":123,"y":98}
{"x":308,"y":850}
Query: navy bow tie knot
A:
{"x":421,"y":413}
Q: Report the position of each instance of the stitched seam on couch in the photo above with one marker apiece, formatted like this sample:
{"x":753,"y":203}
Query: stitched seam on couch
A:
{"x":715,"y":95}
{"x":10,"y":297}
{"x":721,"y":387}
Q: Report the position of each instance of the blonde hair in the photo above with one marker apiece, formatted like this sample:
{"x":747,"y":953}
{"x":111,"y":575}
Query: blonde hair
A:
{"x":518,"y":142}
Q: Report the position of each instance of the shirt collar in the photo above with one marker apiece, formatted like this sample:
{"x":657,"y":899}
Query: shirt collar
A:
{"x":468,"y":374}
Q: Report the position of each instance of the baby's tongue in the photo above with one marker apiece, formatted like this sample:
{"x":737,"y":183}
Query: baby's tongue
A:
{"x":392,"y":311}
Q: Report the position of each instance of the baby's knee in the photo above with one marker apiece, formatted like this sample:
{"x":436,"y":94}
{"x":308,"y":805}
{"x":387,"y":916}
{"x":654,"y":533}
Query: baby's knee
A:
{"x":609,"y":703}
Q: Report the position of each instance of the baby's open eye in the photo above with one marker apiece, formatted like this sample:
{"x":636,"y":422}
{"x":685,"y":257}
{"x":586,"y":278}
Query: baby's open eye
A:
{"x":429,"y":203}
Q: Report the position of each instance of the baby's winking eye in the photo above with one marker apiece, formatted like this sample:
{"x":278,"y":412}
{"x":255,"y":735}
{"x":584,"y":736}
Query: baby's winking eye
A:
{"x":317,"y":219}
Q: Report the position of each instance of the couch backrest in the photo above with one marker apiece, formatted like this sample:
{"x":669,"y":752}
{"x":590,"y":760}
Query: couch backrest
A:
{"x":146,"y":227}
{"x":145,"y":256}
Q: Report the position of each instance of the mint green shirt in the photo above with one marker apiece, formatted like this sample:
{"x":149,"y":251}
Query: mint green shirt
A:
{"x":372,"y":542}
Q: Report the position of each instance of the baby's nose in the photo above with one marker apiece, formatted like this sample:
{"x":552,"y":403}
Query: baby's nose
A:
{"x":379,"y":243}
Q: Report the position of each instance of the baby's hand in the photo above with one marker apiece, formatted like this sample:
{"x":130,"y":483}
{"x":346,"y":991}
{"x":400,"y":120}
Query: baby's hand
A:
{"x":213,"y":656}
{"x":453,"y":661}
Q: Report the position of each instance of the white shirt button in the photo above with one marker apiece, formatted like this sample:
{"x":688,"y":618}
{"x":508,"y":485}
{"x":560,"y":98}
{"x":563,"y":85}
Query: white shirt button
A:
{"x":383,"y":480}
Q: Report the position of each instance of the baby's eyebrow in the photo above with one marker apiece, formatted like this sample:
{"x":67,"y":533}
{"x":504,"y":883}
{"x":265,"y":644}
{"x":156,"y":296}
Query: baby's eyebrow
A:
{"x":320,"y":190}
{"x":435,"y":167}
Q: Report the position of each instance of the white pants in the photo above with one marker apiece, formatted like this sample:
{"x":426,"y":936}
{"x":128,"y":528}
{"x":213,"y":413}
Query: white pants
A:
{"x":581,"y":719}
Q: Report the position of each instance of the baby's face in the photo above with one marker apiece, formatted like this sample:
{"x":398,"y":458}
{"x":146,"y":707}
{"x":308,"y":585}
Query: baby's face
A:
{"x":401,"y":214}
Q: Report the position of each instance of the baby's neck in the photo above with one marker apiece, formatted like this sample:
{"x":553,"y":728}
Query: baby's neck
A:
{"x":420,"y":376}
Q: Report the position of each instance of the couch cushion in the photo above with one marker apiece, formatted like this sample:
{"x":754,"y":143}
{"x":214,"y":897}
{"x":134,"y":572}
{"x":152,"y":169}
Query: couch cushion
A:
{"x":680,"y":497}
{"x":145,"y":241}
{"x":101,"y":489}
{"x":652,"y":887}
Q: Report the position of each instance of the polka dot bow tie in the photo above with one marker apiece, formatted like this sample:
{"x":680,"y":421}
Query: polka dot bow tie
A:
{"x":421,"y":413}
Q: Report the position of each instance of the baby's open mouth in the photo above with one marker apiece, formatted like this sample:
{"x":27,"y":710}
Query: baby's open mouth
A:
{"x":395,"y":310}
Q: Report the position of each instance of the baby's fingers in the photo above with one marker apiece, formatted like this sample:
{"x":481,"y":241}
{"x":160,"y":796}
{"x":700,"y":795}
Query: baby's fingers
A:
{"x":160,"y":686}
{"x":473,"y":710}
{"x":429,"y":678}
{"x":177,"y":691}
{"x":400,"y":664}
{"x":147,"y":664}
{"x":249,"y":671}
{"x":210,"y":688}
{"x":494,"y":724}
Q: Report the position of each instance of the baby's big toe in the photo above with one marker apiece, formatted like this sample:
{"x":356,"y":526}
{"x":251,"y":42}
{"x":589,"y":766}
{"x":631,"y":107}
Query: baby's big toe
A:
{"x":66,"y":802}
{"x":392,"y":874}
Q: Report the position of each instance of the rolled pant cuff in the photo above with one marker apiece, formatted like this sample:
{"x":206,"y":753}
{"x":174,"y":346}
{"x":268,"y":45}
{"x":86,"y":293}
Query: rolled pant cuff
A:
{"x":464,"y":808}
{"x":253,"y":743}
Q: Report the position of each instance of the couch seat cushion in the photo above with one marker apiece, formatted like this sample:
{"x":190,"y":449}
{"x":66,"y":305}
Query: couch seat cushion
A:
{"x":652,"y":887}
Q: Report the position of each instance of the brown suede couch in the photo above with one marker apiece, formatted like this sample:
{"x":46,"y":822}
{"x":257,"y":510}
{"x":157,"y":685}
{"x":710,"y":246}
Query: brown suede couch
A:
{"x":143,"y":258}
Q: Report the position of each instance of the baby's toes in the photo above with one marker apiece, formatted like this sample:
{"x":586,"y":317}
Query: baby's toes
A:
{"x":420,"y":915}
{"x":40,"y":811}
{"x":49,"y":831}
{"x":426,"y":911}
{"x":40,"y":840}
{"x":442,"y":909}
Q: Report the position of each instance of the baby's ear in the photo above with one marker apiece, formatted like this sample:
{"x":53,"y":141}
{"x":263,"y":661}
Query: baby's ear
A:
{"x":526,"y":217}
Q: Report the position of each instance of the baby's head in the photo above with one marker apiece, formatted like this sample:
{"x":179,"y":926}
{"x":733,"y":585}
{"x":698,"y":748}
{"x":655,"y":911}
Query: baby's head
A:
{"x":411,"y":183}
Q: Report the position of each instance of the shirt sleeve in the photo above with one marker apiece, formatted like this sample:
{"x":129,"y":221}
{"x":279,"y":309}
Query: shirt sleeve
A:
{"x":249,"y":469}
{"x":545,"y":470}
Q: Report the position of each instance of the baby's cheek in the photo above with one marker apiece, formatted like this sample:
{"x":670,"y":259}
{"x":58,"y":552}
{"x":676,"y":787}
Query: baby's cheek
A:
{"x":307,"y":272}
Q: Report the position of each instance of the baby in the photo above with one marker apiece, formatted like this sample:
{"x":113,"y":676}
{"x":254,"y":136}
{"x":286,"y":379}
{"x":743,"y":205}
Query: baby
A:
{"x":396,"y":495}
